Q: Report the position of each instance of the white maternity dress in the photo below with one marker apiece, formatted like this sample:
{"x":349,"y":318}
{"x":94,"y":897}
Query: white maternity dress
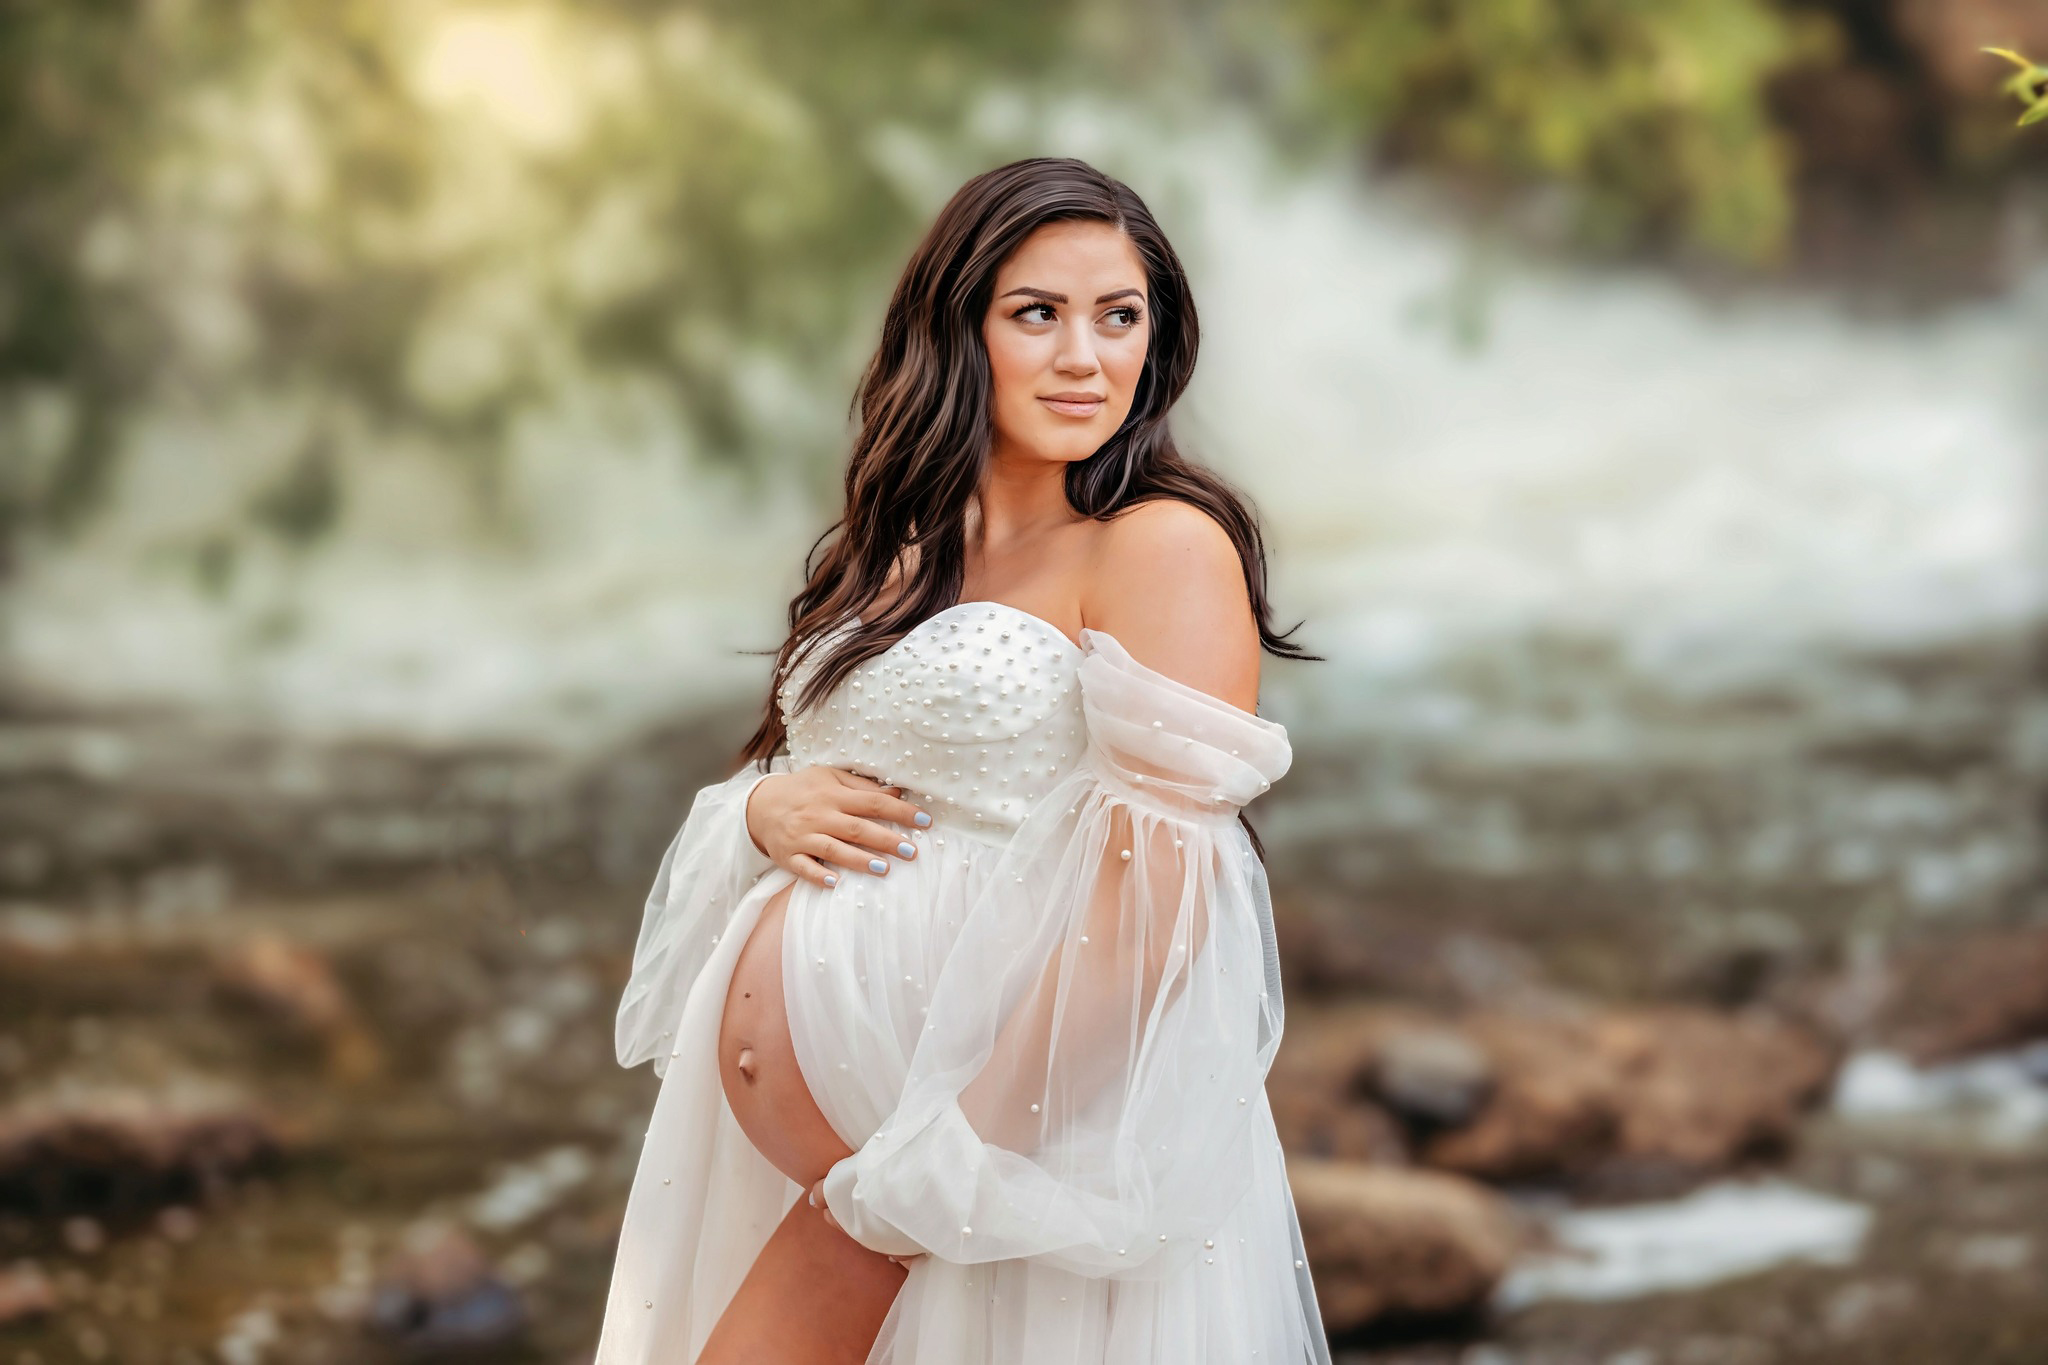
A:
{"x":1045,"y":1037}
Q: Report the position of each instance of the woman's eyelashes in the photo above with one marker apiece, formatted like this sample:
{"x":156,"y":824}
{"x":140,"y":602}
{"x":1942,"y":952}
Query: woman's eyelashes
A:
{"x":1131,"y":316}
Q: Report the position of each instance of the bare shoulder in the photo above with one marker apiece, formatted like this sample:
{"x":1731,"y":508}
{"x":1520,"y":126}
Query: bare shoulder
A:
{"x":1168,"y":583}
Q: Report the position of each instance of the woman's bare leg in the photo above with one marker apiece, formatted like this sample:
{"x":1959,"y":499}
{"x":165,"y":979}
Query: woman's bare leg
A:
{"x":814,"y":1296}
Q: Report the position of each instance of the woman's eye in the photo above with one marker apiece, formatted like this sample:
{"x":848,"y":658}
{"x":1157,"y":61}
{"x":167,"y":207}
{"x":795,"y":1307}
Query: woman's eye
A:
{"x":1131,"y":316}
{"x":1033,"y":308}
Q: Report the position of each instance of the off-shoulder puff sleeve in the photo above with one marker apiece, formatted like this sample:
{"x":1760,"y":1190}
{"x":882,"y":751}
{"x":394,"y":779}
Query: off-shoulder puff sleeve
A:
{"x":1085,"y":1088}
{"x":707,"y":869}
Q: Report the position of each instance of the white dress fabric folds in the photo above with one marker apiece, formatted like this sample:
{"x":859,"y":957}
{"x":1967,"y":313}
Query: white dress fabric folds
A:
{"x":1045,"y":1038}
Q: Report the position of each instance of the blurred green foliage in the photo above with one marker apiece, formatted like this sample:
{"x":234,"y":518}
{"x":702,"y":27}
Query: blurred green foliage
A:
{"x":2029,"y":87}
{"x":406,"y":220}
{"x":1651,"y":111}
{"x":363,"y":225}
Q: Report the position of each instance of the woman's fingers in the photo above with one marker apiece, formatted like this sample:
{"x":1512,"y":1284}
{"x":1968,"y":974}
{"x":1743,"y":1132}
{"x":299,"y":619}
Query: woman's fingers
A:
{"x":847,"y":825}
{"x":827,"y":849}
{"x":811,"y":870}
{"x":885,"y":803}
{"x":872,"y":836}
{"x":817,"y":1198}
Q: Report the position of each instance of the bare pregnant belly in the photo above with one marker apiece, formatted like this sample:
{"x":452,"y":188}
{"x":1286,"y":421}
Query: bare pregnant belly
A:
{"x":757,"y":1060}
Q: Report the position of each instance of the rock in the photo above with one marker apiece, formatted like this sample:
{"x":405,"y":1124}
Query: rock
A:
{"x":439,"y":1293}
{"x":1392,"y":1245}
{"x":1703,"y":1088}
{"x":1948,"y":999}
{"x":1320,"y":1086}
{"x":1432,"y":1075}
{"x":114,"y":1146}
{"x":1672,"y":1091}
{"x":25,"y":1293}
{"x":1553,"y":1107}
{"x":294,"y":985}
{"x":1643,"y":1097}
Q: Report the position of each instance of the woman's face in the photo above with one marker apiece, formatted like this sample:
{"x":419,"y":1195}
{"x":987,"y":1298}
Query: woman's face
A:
{"x":1067,"y":329}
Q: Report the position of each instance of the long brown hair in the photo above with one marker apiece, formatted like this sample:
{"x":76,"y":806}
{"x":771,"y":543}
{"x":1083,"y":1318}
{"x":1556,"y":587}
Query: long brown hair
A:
{"x":926,"y":430}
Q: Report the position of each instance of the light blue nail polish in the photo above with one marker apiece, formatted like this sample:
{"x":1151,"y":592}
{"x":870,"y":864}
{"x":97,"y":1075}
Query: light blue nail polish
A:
{"x":831,"y":879}
{"x":877,"y":866}
{"x":906,"y":850}
{"x":922,"y":819}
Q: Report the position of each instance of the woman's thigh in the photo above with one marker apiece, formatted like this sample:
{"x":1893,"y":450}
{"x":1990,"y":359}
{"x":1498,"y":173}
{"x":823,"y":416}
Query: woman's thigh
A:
{"x":814,"y":1296}
{"x":757,"y":1060}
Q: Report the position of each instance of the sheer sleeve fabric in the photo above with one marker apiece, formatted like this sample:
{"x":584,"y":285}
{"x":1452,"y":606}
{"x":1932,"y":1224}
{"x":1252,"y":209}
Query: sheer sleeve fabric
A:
{"x":707,"y":869}
{"x":1085,"y":1088}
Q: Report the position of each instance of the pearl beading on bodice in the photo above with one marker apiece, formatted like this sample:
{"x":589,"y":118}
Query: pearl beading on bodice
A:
{"x":975,"y":714}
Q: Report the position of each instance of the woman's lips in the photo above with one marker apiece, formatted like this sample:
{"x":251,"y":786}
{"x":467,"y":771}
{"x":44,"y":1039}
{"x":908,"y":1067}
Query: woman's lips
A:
{"x":1073,"y":409}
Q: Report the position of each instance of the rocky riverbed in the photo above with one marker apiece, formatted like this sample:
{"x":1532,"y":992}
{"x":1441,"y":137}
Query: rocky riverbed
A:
{"x":246,"y":1120}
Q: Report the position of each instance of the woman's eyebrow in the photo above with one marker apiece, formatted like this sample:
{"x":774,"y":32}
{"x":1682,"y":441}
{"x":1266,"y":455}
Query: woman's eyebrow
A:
{"x":1062,"y":298}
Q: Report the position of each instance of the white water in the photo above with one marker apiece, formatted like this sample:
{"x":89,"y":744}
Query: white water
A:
{"x":1996,"y":1099}
{"x":1723,"y":492}
{"x":1715,"y":1233}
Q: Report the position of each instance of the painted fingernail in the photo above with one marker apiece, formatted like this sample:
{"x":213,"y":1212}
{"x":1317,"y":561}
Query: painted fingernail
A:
{"x":831,"y":879}
{"x":921,"y":819}
{"x":877,"y":866}
{"x":906,"y":850}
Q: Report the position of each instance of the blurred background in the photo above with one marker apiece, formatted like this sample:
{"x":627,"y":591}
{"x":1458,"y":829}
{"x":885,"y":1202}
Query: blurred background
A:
{"x":413,"y":417}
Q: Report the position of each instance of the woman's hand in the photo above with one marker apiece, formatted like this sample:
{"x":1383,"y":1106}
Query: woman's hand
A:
{"x":817,"y":816}
{"x":817,"y":1198}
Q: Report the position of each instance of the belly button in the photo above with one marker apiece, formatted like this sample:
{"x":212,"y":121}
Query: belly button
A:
{"x":745,"y":1063}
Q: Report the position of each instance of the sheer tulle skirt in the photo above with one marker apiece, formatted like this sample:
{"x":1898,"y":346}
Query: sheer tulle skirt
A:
{"x":859,"y":965}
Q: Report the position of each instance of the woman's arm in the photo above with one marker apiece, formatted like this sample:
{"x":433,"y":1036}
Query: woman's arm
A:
{"x":1170,"y":588}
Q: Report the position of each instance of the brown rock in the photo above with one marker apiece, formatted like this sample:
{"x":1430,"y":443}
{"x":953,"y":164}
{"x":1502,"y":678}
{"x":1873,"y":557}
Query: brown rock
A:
{"x":1665,"y":1091}
{"x":93,"y":1146}
{"x":295,"y":986}
{"x":1675,"y":1088}
{"x":1553,"y":1105}
{"x":1434,"y":1075}
{"x":25,"y":1293}
{"x":1399,"y":1244}
{"x":1321,"y":1083}
{"x":1945,"y":1000}
{"x":1701,"y":1088}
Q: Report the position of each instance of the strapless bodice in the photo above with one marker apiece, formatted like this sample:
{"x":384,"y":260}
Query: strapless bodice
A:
{"x":975,"y":714}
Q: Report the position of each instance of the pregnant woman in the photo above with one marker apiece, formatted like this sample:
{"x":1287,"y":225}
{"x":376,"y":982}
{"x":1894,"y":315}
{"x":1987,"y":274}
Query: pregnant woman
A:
{"x":963,"y":988}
